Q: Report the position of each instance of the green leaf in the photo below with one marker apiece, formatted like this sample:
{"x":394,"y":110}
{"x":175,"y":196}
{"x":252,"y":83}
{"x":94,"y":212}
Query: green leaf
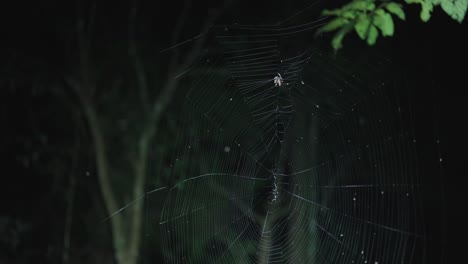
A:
{"x":363,"y":5}
{"x":396,"y":9}
{"x":456,"y":9}
{"x":349,"y":14}
{"x":333,"y":25}
{"x":384,"y":22}
{"x":338,"y":37}
{"x":373,"y":34}
{"x":427,"y":8}
{"x":362,"y":26}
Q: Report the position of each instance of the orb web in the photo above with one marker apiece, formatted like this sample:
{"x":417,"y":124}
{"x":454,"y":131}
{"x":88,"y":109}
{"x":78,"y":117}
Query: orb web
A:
{"x":319,"y":169}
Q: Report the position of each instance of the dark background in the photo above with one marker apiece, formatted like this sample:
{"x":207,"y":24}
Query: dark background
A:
{"x":38,"y":41}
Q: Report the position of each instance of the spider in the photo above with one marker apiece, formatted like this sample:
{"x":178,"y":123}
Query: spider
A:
{"x":278,"y":80}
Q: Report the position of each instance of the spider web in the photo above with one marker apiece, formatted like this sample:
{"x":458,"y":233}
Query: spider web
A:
{"x":318,"y":170}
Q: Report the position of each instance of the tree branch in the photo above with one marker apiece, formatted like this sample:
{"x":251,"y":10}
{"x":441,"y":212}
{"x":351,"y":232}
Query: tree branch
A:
{"x":99,"y":147}
{"x":136,"y":62}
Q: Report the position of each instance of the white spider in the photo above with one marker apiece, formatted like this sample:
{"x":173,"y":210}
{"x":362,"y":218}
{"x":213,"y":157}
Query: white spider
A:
{"x":278,"y":80}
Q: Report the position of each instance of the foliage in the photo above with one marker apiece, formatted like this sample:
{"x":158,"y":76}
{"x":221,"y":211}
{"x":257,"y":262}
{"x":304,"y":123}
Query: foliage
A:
{"x":369,"y":18}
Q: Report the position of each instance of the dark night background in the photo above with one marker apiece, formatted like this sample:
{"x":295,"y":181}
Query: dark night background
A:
{"x":38,"y":45}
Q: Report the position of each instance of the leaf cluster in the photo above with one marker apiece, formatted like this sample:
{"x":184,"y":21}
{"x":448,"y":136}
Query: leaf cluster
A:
{"x":371,"y":18}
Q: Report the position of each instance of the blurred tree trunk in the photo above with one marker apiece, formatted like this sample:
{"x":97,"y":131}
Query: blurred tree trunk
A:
{"x":126,"y":227}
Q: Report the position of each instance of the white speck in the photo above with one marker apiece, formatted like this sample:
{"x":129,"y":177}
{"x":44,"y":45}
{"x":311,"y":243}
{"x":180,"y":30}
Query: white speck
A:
{"x":362,"y":252}
{"x":317,"y":106}
{"x":230,"y":99}
{"x":438,"y":141}
{"x":302,"y":82}
{"x":382,"y":192}
{"x":354,"y":198}
{"x":440,"y":160}
{"x":227,"y":149}
{"x":189,"y":147}
{"x":87,"y":173}
{"x":341,"y":235}
{"x":407,"y":194}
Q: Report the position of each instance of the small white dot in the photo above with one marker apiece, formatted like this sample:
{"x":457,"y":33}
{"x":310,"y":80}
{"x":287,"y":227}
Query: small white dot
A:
{"x":227,"y":149}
